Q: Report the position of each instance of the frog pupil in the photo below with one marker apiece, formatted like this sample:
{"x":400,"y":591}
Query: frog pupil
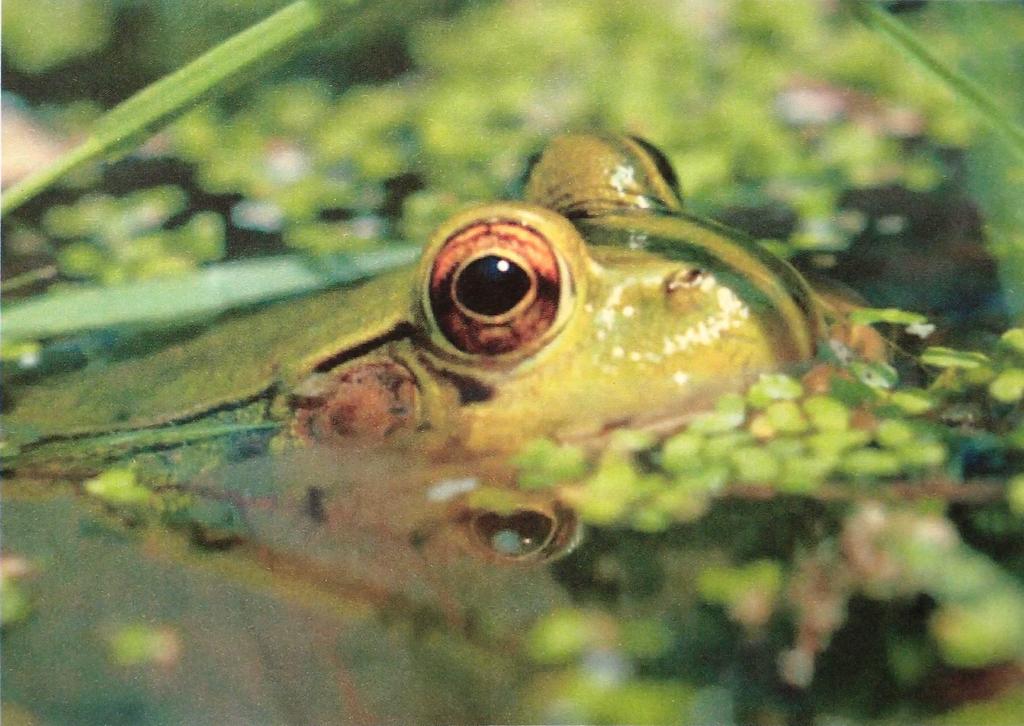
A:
{"x":521,"y":533}
{"x":491,"y":285}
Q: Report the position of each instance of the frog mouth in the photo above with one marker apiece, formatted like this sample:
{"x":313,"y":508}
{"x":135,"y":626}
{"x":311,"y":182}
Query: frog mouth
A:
{"x":661,"y":422}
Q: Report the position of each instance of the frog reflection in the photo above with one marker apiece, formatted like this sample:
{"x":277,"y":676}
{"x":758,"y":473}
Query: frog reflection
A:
{"x":381,"y":526}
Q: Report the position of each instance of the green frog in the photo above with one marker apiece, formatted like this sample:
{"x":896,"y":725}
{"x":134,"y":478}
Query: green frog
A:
{"x":594,"y":303}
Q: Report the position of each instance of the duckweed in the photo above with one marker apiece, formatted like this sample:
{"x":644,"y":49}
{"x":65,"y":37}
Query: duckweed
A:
{"x":686,"y":500}
{"x":16,"y":603}
{"x":118,"y":239}
{"x":826,"y":413}
{"x":754,"y":465}
{"x":876,"y":374}
{"x":870,"y":463}
{"x":927,"y":455}
{"x":778,"y":437}
{"x":453,"y":129}
{"x":1008,"y":386}
{"x":773,"y":387}
{"x":729,"y":414}
{"x":542,"y":463}
{"x":870,"y":316}
{"x":913,"y":401}
{"x":720,"y":447}
{"x":1015,"y":495}
{"x":893,"y":433}
{"x":837,"y":442}
{"x":682,"y":452}
{"x":941,"y":357}
{"x":611,"y":489}
{"x":786,"y":417}
{"x":804,"y":475}
{"x":1013,"y":340}
{"x":708,"y":480}
{"x":138,"y":644}
{"x":119,"y":487}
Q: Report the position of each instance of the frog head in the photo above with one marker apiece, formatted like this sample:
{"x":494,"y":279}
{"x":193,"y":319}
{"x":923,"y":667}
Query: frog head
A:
{"x":593,"y":304}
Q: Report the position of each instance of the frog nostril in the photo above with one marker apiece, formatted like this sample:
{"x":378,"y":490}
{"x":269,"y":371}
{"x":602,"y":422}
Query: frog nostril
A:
{"x":685,"y":278}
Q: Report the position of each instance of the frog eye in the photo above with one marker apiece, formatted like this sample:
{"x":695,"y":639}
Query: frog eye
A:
{"x":525,"y":535}
{"x":495,"y":287}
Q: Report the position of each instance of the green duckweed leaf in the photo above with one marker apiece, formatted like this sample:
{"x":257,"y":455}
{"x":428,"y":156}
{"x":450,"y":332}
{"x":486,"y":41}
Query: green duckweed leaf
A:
{"x":869,"y":316}
{"x":773,"y":387}
{"x":543,"y":463}
{"x":1008,"y":386}
{"x":1015,"y":495}
{"x":870,"y":463}
{"x":1013,"y":339}
{"x":826,"y":413}
{"x":913,"y":401}
{"x":941,"y":357}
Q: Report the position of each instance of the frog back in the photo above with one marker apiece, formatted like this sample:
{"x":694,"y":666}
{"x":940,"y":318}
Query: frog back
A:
{"x":235,"y":362}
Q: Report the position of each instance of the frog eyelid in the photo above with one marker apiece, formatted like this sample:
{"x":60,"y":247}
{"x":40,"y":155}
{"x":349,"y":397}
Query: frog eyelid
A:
{"x":660,"y":163}
{"x":583,"y":176}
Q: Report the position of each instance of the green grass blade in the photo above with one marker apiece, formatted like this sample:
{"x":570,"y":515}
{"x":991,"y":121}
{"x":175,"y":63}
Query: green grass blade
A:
{"x":882,"y":22}
{"x":204,"y":292}
{"x":254,"y":48}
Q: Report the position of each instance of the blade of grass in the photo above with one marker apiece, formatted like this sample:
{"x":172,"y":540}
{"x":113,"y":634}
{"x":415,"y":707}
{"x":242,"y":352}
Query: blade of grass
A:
{"x":882,"y":22}
{"x":201,"y":293}
{"x":262,"y":44}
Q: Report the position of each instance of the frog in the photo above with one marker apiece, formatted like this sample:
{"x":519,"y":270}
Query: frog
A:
{"x":591,"y":303}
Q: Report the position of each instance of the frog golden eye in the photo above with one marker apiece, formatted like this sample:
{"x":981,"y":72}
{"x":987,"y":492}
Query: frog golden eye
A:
{"x":492,"y":285}
{"x":495,"y":287}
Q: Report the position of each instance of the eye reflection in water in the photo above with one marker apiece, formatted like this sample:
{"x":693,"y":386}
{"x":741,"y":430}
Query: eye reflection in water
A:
{"x":526,"y":535}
